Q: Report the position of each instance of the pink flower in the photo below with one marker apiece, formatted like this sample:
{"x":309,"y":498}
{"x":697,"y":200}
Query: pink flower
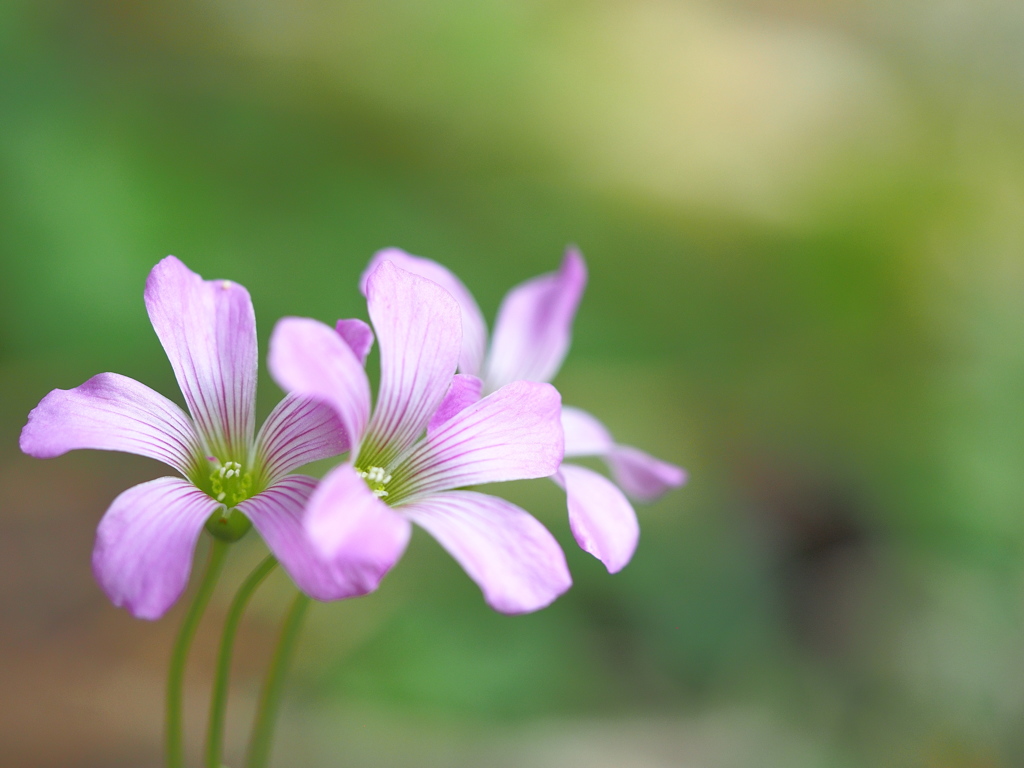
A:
{"x":229,"y":476}
{"x":531,"y":337}
{"x":429,"y":435}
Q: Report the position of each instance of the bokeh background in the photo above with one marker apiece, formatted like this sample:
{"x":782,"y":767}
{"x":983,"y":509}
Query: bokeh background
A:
{"x":804,"y":222}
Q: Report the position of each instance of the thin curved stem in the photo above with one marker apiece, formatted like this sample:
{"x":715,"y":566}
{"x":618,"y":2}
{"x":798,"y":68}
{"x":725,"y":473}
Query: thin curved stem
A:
{"x":273,"y":686}
{"x":219,"y":699}
{"x":174,"y":744}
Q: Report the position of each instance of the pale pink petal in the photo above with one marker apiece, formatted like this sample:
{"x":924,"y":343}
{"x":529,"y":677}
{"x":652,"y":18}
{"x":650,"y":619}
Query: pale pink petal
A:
{"x":504,"y":549}
{"x":308,"y":358}
{"x":277,"y":513}
{"x":299,"y":430}
{"x":474,"y":329}
{"x":534,"y":325}
{"x":601,"y":518}
{"x":463,"y":392}
{"x":584,"y":435}
{"x":641,"y":475}
{"x":358,"y":335}
{"x":111,"y":412}
{"x":419,"y":333}
{"x":145,"y":542}
{"x":512,"y":434}
{"x":348,"y":525}
{"x":208,"y":330}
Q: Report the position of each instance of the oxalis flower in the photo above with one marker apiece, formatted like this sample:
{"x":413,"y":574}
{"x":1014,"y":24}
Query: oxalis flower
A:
{"x":230,"y":479}
{"x":532,"y":335}
{"x":429,"y":435}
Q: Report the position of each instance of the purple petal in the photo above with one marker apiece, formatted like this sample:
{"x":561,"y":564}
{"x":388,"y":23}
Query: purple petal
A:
{"x":348,"y":525}
{"x":474,"y":329}
{"x":513,"y":434}
{"x":419,"y":333}
{"x":111,"y":412}
{"x":277,"y":514}
{"x":584,"y":435}
{"x":504,"y":549}
{"x":307,"y":358}
{"x":534,"y":325}
{"x":641,"y":475}
{"x":601,"y":518}
{"x":208,"y":330}
{"x":358,"y":335}
{"x":145,"y":542}
{"x":463,"y":392}
{"x":299,"y":430}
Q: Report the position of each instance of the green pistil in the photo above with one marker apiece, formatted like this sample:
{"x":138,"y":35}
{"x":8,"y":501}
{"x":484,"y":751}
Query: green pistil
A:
{"x":229,"y":485}
{"x":377,"y":478}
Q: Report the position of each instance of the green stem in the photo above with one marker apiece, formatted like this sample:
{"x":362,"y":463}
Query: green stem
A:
{"x":174,"y":744}
{"x":273,"y":686}
{"x":219,"y":699}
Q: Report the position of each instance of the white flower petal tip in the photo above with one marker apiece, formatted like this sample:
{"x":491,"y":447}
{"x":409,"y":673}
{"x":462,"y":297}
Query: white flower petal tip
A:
{"x":642,"y":476}
{"x":601,"y":518}
{"x":534,"y":327}
{"x":512,"y":557}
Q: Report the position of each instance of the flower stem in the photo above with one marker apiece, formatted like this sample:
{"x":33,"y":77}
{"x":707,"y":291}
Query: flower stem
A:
{"x":174,"y":744}
{"x":273,"y":686}
{"x":219,"y":699}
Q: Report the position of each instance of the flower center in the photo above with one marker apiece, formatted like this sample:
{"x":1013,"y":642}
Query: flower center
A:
{"x":229,"y":484}
{"x":377,"y":478}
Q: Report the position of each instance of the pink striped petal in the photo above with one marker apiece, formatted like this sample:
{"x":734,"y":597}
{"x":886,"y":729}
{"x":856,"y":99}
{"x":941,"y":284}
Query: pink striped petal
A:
{"x":513,"y":434}
{"x":534,"y":325}
{"x":358,"y":335}
{"x":111,"y":412}
{"x":504,"y":549}
{"x":349,"y":526}
{"x":584,"y":435}
{"x":145,"y":542}
{"x":641,"y":475}
{"x":602,"y":519}
{"x":208,"y":330}
{"x":474,"y":329}
{"x":299,"y":430}
{"x":419,"y":332}
{"x":308,"y":358}
{"x":277,"y":514}
{"x":463,"y":392}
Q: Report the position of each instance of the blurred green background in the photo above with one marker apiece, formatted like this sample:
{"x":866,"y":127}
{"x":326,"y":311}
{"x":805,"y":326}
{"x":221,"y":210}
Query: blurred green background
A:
{"x":804,"y":223}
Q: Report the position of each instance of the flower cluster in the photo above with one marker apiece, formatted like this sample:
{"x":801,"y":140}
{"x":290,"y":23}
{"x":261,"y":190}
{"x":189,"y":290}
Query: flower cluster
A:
{"x":449,"y":414}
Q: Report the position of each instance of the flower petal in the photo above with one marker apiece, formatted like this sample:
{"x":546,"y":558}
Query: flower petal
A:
{"x":463,"y":392}
{"x":208,"y":330}
{"x":299,"y":430}
{"x":601,"y":518}
{"x":474,"y":329}
{"x":513,"y":434}
{"x":504,"y":549}
{"x":111,"y":412}
{"x":358,"y":335}
{"x":277,"y":514}
{"x":419,"y":332}
{"x":145,"y":542}
{"x":308,"y":358}
{"x":584,"y":435}
{"x":534,"y":325}
{"x":641,"y":475}
{"x":348,"y":525}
